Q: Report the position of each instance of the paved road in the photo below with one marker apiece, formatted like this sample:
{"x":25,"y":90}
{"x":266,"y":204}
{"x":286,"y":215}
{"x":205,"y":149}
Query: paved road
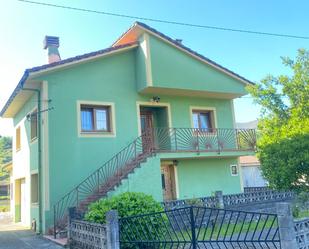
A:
{"x":15,"y":236}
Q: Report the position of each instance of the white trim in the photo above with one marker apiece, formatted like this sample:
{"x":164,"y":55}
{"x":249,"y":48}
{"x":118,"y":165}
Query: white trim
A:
{"x":96,"y":134}
{"x":176,"y":182}
{"x":152,"y":104}
{"x":203,"y":108}
{"x":237,"y":169}
{"x":45,"y":145}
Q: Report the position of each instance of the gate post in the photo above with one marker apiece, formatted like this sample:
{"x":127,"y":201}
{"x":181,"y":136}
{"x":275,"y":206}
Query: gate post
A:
{"x":286,"y":226}
{"x":219,"y":195}
{"x":112,"y":230}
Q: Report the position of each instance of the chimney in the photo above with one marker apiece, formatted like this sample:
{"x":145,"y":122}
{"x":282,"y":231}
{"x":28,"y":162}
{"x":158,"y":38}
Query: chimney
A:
{"x":51,"y":43}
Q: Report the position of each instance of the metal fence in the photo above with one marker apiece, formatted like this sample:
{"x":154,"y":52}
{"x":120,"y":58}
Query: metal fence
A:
{"x":200,"y":227}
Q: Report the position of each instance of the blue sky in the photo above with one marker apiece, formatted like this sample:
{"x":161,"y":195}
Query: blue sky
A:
{"x":23,"y":27}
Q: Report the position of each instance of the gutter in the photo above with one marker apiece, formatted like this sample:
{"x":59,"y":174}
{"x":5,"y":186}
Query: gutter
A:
{"x":38,"y":92}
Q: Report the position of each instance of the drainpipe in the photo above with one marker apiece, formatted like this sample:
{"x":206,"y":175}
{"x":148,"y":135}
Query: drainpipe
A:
{"x":38,"y":92}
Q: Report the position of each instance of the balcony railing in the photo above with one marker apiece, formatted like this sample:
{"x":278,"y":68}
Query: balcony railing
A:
{"x":199,"y":140}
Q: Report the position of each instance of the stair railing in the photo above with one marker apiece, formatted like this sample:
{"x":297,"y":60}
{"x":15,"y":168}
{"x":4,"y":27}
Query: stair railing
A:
{"x":110,"y":174}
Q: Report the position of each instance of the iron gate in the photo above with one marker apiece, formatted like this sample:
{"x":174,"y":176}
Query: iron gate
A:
{"x":199,"y":227}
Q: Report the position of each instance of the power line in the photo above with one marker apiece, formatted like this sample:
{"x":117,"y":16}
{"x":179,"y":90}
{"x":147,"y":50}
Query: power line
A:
{"x":167,"y":21}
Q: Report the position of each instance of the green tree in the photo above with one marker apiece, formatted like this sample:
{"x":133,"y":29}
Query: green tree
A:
{"x":5,"y":152}
{"x":284,"y":123}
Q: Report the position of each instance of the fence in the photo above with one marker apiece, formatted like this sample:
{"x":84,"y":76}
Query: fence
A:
{"x":302,"y":233}
{"x":200,"y":227}
{"x":235,"y":200}
{"x":83,"y":234}
{"x":193,"y":227}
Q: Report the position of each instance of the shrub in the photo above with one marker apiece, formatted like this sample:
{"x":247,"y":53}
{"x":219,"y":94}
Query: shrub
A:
{"x":127,"y":204}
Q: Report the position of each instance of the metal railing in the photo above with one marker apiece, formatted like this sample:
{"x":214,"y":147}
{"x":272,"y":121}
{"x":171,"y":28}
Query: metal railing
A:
{"x":200,"y":227}
{"x":157,"y":140}
{"x":202,"y":140}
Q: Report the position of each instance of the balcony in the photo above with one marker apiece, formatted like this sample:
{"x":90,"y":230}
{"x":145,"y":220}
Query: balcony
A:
{"x":165,"y":140}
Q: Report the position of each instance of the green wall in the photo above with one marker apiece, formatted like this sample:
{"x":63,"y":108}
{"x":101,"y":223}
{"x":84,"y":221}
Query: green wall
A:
{"x":202,"y":177}
{"x":174,"y":69}
{"x":146,"y":179}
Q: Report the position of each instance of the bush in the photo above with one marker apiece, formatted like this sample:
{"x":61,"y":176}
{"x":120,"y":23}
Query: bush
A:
{"x":127,"y":204}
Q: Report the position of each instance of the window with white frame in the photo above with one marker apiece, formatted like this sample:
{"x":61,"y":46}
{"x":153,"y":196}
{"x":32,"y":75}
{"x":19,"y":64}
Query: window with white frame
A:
{"x":96,"y":118}
{"x":234,"y":170}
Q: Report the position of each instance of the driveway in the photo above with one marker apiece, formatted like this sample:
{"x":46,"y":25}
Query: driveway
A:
{"x":15,"y":236}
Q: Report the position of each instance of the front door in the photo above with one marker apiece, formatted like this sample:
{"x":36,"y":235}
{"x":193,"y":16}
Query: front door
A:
{"x":168,"y":182}
{"x":147,"y":130}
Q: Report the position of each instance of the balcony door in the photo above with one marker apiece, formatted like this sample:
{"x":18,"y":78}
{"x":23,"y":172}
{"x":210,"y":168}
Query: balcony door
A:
{"x":147,"y":130}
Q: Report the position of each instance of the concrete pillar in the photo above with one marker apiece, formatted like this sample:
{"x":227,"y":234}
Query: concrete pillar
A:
{"x":112,"y":230}
{"x":286,"y":226}
{"x":219,"y":196}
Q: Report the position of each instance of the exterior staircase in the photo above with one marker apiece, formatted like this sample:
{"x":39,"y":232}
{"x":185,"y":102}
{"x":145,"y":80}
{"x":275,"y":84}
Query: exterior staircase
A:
{"x":110,"y":175}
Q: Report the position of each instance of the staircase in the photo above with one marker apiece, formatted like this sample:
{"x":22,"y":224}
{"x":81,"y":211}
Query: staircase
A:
{"x":109,"y":176}
{"x":105,"y":179}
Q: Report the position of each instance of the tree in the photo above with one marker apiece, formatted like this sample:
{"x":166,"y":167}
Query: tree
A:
{"x":5,"y":153}
{"x":284,"y":124}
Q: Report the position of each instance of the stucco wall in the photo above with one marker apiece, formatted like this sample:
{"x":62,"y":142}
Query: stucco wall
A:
{"x":202,"y":177}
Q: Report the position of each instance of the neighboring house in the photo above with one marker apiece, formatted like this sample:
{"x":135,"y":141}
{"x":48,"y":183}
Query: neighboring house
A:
{"x":251,"y":172}
{"x":168,"y":106}
{"x":250,"y":165}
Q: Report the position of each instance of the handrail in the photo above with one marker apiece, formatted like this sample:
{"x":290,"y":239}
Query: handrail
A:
{"x":157,"y":140}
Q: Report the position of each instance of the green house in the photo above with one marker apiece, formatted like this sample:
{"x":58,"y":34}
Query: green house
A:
{"x":147,"y":114}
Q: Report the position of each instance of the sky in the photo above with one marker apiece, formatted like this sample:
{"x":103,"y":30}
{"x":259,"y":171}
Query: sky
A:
{"x":23,"y":27}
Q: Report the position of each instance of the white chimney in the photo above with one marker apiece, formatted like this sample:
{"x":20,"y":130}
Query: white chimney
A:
{"x":51,"y":43}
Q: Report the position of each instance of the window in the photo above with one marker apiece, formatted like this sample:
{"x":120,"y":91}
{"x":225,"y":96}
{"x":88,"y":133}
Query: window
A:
{"x":163,"y":181}
{"x":203,"y":119}
{"x":34,"y":125}
{"x":234,"y":170}
{"x":34,"y":188}
{"x":95,"y":118}
{"x":17,"y":139}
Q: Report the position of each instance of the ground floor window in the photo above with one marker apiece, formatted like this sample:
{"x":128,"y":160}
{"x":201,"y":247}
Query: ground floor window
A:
{"x":234,"y":170}
{"x":34,"y":188}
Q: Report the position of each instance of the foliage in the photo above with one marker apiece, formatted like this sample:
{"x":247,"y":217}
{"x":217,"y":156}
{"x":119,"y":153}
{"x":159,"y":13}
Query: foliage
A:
{"x":5,"y":153}
{"x":284,"y":124}
{"x":194,"y":202}
{"x":127,"y":204}
{"x":285,"y":164}
{"x":300,"y":206}
{"x":130,"y":204}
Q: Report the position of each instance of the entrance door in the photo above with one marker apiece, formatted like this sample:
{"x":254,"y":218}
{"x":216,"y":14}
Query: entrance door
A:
{"x":23,"y":201}
{"x":147,"y":130}
{"x":168,"y":182}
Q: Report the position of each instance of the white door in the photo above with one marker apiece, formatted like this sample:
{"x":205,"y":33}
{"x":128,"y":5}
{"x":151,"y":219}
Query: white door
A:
{"x":23,"y":201}
{"x":252,"y":177}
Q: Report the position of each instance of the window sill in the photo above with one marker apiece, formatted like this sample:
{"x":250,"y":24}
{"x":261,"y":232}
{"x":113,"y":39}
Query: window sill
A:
{"x":97,"y":134}
{"x":35,"y":204}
